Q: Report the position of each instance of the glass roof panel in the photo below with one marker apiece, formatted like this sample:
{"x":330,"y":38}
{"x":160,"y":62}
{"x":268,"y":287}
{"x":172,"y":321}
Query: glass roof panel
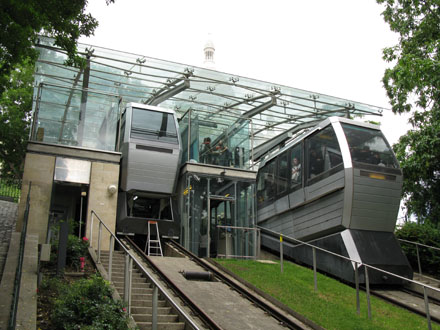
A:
{"x":220,"y":97}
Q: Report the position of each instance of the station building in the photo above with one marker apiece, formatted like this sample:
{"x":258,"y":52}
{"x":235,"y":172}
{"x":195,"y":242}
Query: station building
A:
{"x":73,"y":163}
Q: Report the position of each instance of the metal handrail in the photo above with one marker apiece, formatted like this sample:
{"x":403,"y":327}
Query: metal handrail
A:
{"x":416,"y":243}
{"x":417,"y":250}
{"x":156,"y":285}
{"x":250,"y":229}
{"x":18,"y":271}
{"x":357,"y":264}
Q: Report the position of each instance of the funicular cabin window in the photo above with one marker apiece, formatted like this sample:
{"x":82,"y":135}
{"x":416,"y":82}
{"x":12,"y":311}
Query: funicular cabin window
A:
{"x":266,"y":186}
{"x":153,"y":125}
{"x":323,"y":155}
{"x":368,"y":146}
{"x":296,"y":168}
{"x":283,"y":173}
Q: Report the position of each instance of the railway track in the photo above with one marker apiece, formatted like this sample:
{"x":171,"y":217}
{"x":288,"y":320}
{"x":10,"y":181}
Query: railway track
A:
{"x":410,"y":300}
{"x":281,"y":317}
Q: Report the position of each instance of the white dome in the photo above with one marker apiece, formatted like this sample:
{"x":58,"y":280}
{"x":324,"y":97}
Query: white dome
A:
{"x":209,"y":44}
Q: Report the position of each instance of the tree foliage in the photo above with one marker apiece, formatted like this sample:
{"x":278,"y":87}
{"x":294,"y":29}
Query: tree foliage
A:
{"x":15,"y":108}
{"x":413,"y":84}
{"x":425,"y":234}
{"x":21,"y":22}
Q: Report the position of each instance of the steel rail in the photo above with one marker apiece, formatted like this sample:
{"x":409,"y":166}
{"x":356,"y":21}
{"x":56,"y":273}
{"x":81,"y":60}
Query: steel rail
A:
{"x":190,"y":303}
{"x":244,"y":292}
{"x":154,"y":282}
{"x":408,"y":307}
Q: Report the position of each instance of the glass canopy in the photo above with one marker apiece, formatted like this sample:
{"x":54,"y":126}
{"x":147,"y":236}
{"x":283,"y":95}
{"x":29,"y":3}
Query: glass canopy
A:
{"x":81,"y":106}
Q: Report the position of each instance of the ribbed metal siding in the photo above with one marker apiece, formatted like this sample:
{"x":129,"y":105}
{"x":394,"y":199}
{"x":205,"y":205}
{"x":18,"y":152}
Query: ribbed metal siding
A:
{"x":375,"y":203}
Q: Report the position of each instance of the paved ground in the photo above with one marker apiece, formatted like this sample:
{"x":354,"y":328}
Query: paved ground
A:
{"x":8,"y":218}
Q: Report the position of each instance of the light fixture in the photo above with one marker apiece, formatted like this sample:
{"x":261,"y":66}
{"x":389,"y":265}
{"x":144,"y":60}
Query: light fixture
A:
{"x":112,"y":189}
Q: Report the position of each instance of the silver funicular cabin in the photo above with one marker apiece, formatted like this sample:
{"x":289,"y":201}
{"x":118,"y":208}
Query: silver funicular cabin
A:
{"x":338,"y":186}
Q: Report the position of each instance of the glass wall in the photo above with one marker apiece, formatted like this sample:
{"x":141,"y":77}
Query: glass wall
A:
{"x":223,"y":142}
{"x":71,"y":117}
{"x":218,"y":216}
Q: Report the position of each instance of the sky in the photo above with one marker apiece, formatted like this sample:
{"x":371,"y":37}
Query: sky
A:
{"x":329,"y":47}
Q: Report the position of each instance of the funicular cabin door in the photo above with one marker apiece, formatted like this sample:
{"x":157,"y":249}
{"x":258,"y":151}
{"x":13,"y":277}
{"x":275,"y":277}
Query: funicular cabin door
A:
{"x":221,"y":216}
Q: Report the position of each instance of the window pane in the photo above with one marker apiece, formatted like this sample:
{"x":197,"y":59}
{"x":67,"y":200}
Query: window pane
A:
{"x":153,"y":125}
{"x":266,"y":187}
{"x":296,"y":178}
{"x":369,"y":146}
{"x":323,"y":154}
{"x":283,"y":176}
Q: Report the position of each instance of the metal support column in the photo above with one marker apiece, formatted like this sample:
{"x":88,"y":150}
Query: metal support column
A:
{"x":314,"y":269}
{"x":356,"y":279}
{"x":208,"y":227}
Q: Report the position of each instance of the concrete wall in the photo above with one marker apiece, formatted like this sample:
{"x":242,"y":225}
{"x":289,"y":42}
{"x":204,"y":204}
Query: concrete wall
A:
{"x":38,"y":169}
{"x":102,"y":202}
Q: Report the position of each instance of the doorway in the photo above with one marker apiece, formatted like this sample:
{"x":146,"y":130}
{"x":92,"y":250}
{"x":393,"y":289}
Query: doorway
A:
{"x":69,"y":203}
{"x":222,"y":218}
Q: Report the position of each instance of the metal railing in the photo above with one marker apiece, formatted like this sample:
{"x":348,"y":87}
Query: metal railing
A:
{"x":356,"y":264}
{"x":250,"y":231}
{"x":417,"y":250}
{"x":129,"y":261}
{"x":18,"y":271}
{"x":10,"y":190}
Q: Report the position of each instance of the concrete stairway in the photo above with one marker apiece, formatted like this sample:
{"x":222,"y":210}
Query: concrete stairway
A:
{"x":141,"y":296}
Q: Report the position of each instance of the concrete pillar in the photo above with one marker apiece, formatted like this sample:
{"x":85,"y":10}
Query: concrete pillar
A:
{"x":39,"y":169}
{"x":102,"y":201}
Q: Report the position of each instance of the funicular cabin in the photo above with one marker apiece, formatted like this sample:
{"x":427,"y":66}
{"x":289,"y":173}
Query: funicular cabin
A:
{"x":134,"y":138}
{"x":339,"y":186}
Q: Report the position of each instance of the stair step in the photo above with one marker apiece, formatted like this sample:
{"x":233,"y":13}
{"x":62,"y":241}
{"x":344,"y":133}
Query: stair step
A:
{"x":161,"y":325}
{"x":137,"y":280}
{"x":134,"y":291}
{"x":147,"y":308}
{"x":168,"y":318}
{"x":146,"y":301}
{"x":141,"y":296}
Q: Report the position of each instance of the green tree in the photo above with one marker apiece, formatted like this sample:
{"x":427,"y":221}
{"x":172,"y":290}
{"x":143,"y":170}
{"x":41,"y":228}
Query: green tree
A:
{"x":21,"y":21}
{"x":413,"y":85}
{"x":15,"y":108}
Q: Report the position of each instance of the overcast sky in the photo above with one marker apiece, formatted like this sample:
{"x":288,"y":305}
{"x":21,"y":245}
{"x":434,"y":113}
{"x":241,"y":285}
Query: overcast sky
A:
{"x":330,"y":47}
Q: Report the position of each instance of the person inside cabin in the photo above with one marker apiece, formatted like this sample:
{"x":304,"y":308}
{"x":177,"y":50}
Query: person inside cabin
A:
{"x":296,"y":171}
{"x":222,"y":152}
{"x":316,"y":163}
{"x":206,"y":151}
{"x":365,"y":155}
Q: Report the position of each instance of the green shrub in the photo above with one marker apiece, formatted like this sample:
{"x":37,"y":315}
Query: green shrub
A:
{"x":76,"y":248}
{"x":88,"y":304}
{"x":425,"y":234}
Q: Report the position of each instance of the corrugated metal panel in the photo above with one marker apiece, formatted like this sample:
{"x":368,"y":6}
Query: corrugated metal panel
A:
{"x":375,"y":203}
{"x":327,"y":185}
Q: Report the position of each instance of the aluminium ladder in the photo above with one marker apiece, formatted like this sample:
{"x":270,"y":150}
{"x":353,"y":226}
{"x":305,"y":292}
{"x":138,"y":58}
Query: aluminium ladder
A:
{"x":153,"y":245}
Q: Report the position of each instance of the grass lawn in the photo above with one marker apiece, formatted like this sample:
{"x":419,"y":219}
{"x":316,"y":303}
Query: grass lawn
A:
{"x":333,"y":306}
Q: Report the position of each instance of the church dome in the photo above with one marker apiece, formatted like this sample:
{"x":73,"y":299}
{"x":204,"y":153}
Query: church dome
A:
{"x":209,"y":44}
